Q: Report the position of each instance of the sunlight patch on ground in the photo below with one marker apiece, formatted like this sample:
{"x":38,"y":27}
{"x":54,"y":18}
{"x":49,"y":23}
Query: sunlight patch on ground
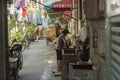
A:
{"x":50,"y":61}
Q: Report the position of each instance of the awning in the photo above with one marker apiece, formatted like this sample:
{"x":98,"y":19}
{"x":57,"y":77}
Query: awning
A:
{"x":62,"y":6}
{"x":48,"y":7}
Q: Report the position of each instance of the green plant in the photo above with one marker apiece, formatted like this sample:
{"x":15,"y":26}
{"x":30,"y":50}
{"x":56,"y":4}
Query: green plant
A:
{"x":30,"y":30}
{"x":11,"y":25}
{"x":19,"y":34}
{"x":41,"y":31}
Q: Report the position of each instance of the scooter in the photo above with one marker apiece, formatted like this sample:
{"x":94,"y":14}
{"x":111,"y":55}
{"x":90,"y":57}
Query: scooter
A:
{"x":16,"y":52}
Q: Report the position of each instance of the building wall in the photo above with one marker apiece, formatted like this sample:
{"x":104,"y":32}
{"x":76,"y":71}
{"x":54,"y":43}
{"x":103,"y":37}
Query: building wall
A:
{"x":101,"y":72}
{"x":75,"y":16}
{"x":78,"y":16}
{"x":98,"y":52}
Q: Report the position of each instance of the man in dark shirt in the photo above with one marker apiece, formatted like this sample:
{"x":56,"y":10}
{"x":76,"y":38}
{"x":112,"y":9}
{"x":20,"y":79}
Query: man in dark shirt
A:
{"x":60,"y":44}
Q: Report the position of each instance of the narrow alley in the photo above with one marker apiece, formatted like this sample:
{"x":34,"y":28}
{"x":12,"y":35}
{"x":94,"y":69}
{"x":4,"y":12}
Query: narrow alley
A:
{"x":38,"y":62}
{"x":69,"y":40}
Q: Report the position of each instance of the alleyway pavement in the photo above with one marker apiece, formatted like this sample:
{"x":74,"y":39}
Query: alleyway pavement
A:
{"x":38,"y":62}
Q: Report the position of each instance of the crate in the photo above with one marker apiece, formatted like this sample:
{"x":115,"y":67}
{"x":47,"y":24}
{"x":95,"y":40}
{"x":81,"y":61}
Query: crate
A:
{"x":81,"y":71}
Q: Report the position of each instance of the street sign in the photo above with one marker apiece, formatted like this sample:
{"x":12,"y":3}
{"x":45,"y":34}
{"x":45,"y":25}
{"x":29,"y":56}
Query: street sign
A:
{"x":67,"y":15}
{"x":62,"y":6}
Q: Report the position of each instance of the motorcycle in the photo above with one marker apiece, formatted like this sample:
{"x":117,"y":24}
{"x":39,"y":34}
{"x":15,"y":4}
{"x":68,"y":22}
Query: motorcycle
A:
{"x":16,"y":52}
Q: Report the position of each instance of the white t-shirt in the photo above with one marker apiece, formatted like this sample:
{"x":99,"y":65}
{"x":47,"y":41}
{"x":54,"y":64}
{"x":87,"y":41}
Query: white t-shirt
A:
{"x":83,"y":33}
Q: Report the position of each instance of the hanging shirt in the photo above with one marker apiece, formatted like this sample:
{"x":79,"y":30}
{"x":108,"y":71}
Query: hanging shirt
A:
{"x":38,"y":17}
{"x":12,"y":10}
{"x":31,"y":19}
{"x":24,"y":11}
{"x":16,"y":3}
{"x":28,"y":17}
{"x":37,"y":14}
{"x":83,"y":33}
{"x":22,"y":2}
{"x":19,"y":12}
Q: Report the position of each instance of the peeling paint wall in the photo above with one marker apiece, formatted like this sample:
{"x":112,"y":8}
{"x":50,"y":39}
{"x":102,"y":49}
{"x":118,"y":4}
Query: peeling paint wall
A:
{"x":98,"y":52}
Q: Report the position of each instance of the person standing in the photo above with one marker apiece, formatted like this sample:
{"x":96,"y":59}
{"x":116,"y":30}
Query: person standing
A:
{"x":58,"y":28}
{"x":85,"y":38}
{"x":37,"y":33}
{"x":60,"y":44}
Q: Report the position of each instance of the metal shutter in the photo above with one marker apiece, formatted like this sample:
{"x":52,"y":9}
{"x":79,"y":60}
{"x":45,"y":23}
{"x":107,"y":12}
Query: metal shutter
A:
{"x":113,"y":54}
{"x":115,"y":51}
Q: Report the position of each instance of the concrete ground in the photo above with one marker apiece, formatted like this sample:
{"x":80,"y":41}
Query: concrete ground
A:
{"x":39,"y":61}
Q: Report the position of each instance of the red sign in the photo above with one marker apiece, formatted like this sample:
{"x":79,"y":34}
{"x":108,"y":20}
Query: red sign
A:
{"x":63,"y":5}
{"x":67,"y":15}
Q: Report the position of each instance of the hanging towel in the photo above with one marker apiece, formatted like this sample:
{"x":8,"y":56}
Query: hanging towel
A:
{"x":22,"y":2}
{"x":16,"y":3}
{"x":24,"y":11}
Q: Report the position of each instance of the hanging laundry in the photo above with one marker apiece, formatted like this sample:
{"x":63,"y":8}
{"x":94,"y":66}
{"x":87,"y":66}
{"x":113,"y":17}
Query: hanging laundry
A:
{"x":34,"y":17}
{"x":16,"y":3}
{"x":31,"y":18}
{"x":19,"y":12}
{"x":39,"y":21}
{"x":45,"y":22}
{"x":24,"y":11}
{"x":22,"y":2}
{"x":28,"y":17}
{"x":37,"y":13}
{"x":12,"y":10}
{"x":38,"y":17}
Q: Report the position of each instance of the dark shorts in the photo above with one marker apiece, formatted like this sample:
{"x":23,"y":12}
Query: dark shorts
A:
{"x":59,"y":54}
